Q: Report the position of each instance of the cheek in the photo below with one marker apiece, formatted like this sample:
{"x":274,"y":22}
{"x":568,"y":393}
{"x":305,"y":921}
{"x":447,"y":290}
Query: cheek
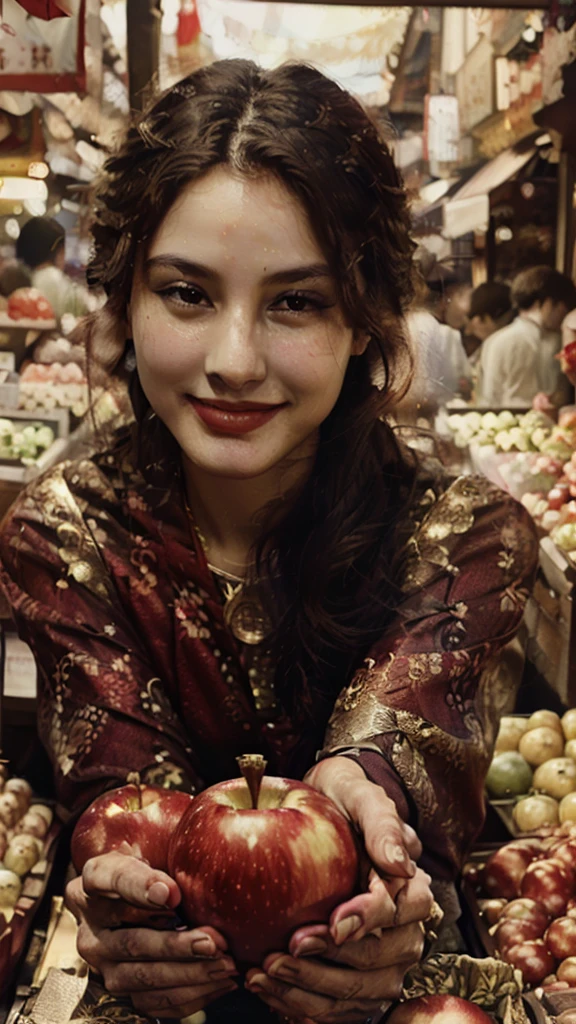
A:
{"x":162,"y":350}
{"x":315,"y":364}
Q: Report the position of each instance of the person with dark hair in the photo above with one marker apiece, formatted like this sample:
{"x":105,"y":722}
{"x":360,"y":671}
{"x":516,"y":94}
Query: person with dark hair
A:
{"x":490,"y":309}
{"x":257,"y":564}
{"x":14,"y":275}
{"x":517,"y":362}
{"x":40,"y":246}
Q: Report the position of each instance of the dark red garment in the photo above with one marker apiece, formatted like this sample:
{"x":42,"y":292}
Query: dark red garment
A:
{"x":45,"y":9}
{"x":138,"y":671}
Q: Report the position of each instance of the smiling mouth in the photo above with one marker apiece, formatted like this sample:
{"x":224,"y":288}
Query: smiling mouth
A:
{"x":221,"y":417}
{"x":237,"y":407}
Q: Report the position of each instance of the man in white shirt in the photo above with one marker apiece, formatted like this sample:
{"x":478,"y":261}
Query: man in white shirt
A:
{"x":514,"y":360}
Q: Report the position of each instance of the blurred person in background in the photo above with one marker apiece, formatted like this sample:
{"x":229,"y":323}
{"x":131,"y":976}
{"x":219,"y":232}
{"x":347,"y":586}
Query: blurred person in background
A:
{"x":40,"y":246}
{"x":14,"y":274}
{"x":490,"y":309}
{"x":517,"y":362}
{"x":442,"y":370}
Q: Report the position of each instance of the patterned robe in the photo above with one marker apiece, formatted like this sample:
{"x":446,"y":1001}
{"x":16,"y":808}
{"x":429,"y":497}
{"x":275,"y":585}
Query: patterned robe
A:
{"x":138,"y":671}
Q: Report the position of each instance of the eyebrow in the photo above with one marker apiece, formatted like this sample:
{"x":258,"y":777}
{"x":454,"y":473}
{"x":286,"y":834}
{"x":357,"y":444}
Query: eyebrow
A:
{"x":304,"y":273}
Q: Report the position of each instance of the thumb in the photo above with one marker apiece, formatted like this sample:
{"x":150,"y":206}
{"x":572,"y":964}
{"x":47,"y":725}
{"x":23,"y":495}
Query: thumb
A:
{"x":387,"y":840}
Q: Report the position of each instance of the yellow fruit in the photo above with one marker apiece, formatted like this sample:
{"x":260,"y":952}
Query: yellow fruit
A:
{"x":570,"y":749}
{"x":569,"y":724}
{"x":535,"y":812}
{"x":556,"y":777}
{"x":539,"y":745}
{"x":567,"y":809}
{"x":544,"y":717}
{"x":509,"y":733}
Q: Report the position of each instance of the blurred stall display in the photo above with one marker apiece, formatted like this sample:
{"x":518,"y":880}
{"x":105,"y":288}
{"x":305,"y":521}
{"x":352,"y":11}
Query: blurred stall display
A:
{"x":352,"y":44}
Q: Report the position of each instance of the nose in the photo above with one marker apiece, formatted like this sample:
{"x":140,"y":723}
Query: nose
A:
{"x":235,"y":357}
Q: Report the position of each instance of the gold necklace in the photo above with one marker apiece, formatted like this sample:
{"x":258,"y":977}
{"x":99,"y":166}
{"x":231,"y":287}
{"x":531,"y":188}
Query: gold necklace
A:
{"x":243,"y":611}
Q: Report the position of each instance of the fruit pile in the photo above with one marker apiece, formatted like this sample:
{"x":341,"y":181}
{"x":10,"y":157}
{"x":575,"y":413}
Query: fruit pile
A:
{"x":23,"y":830}
{"x":54,"y":386}
{"x":528,"y":896}
{"x":28,"y":304}
{"x":24,"y":442}
{"x":535,"y":762}
{"x":506,"y":431}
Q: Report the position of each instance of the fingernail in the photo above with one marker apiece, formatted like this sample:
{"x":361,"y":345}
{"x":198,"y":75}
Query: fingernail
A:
{"x":394,"y":853}
{"x":345,"y":928}
{"x":158,"y":894}
{"x":311,"y":947}
{"x":257,"y":983}
{"x":396,"y":856}
{"x":204,"y":946}
{"x":223,"y":968}
{"x":282,"y":969}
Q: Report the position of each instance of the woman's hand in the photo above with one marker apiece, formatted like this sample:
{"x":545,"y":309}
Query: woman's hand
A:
{"x":166,"y":973}
{"x":373,"y":938}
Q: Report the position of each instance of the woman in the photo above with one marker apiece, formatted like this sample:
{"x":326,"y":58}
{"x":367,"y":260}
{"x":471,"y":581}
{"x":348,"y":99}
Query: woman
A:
{"x":259,"y":566}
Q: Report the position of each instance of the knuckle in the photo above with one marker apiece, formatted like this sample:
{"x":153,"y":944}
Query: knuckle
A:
{"x":371,"y":953}
{"x":113,"y":980}
{"x":73,"y":896}
{"x":142,"y":975}
{"x":352,"y":990}
{"x":131,"y":944}
{"x":87,"y":944}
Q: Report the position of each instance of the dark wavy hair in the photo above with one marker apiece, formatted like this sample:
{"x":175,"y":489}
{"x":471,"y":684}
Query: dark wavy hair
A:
{"x":333,"y":554}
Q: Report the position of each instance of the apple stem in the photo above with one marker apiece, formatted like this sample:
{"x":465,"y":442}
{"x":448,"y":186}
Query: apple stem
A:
{"x":133,"y":779}
{"x":253,"y":767}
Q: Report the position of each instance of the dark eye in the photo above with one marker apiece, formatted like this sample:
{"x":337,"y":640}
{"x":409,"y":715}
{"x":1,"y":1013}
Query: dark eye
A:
{"x":184,"y":294}
{"x":298,"y":302}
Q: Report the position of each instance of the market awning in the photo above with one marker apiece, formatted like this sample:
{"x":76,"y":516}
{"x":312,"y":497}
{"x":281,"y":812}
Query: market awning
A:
{"x":469,"y":208}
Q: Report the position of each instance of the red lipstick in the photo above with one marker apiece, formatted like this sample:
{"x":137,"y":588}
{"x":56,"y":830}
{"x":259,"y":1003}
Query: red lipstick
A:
{"x":233,"y":418}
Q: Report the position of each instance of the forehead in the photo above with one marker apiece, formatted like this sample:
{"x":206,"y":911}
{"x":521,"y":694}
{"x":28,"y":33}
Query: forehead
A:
{"x":225,"y":210}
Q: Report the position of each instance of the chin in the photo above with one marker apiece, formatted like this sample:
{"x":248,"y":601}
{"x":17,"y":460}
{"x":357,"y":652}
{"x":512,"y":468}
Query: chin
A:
{"x":240,"y":458}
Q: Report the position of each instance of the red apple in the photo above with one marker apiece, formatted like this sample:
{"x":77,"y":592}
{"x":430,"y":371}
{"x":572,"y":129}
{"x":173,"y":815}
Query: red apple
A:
{"x":561,"y":937}
{"x":505,"y":870}
{"x":567,"y":971}
{"x":524,"y":909}
{"x":438,"y":1009}
{"x":550,"y":883}
{"x":258,"y":863}
{"x":564,"y":851}
{"x":532,"y":958}
{"x":571,"y":908}
{"x":142,"y":816}
{"x":510,"y":932}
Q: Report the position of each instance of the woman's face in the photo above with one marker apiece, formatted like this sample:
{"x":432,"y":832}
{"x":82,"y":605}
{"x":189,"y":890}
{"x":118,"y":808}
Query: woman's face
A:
{"x":240,"y":340}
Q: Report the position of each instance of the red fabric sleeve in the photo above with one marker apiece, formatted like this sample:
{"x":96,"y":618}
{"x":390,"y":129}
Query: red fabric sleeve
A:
{"x":101,"y":712}
{"x":422,"y":713}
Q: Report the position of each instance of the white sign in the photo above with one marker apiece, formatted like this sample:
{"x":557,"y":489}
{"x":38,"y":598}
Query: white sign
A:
{"x":443,"y":128}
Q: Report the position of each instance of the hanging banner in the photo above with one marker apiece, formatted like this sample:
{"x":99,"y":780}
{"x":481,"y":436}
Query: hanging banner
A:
{"x":39,"y":55}
{"x":46,"y":9}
